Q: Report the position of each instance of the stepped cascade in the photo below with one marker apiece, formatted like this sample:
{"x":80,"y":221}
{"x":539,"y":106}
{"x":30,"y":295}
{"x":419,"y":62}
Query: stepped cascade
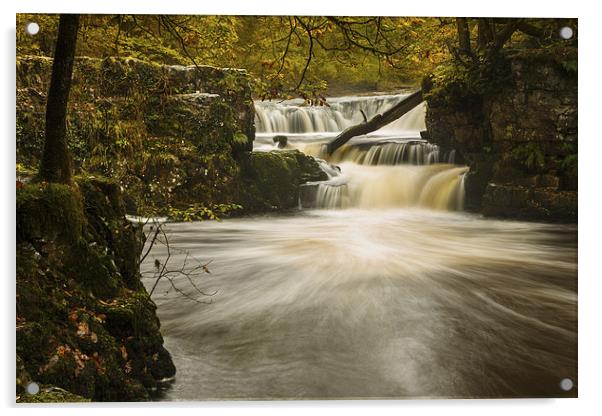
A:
{"x":389,"y":168}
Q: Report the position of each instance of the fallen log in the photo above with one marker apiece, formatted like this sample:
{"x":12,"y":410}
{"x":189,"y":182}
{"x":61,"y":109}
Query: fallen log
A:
{"x":376,"y":122}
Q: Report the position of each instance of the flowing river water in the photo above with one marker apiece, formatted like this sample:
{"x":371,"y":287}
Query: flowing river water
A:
{"x":379,"y":286}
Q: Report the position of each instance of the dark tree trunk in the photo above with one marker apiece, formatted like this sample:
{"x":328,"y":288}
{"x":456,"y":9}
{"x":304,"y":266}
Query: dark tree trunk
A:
{"x":484,"y":33}
{"x":56,"y":163}
{"x":376,"y":122}
{"x":463,"y":34}
{"x":502,"y":37}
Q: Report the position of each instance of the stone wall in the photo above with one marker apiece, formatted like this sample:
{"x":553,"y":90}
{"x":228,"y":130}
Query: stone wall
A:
{"x":519,"y":135}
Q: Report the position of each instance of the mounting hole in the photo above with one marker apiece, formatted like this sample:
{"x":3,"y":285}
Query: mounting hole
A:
{"x":566,"y":384}
{"x":566,"y":32}
{"x":32,"y":388}
{"x":32,"y":28}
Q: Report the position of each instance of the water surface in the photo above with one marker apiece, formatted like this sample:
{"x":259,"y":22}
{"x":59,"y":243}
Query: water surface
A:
{"x":374,"y":303}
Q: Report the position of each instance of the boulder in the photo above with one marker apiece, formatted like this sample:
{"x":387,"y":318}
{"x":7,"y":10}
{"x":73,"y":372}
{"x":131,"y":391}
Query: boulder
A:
{"x":271,"y":180}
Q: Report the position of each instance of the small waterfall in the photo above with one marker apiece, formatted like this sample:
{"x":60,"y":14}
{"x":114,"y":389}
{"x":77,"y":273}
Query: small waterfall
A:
{"x":391,"y":153}
{"x":292,"y":116}
{"x":439,"y":186}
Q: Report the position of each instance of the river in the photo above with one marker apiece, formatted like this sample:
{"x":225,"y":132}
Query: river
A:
{"x":380,"y":287}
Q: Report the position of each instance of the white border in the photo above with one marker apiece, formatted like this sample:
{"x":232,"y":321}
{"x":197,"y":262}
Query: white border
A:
{"x":590,"y":157}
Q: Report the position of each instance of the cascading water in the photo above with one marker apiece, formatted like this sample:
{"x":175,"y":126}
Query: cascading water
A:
{"x":389,"y":168}
{"x":292,"y":116}
{"x":385,"y":292}
{"x":435,"y":186}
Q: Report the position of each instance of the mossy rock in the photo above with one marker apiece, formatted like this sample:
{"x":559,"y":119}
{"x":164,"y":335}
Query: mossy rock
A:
{"x":547,"y":204}
{"x":132,"y":318}
{"x":121,"y":113}
{"x":49,"y":211}
{"x":85,"y":323}
{"x":271,"y":180}
{"x":91,"y":266}
{"x":105,"y":211}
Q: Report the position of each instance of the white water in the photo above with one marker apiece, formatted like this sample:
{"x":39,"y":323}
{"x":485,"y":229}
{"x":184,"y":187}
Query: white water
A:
{"x":369,"y":187}
{"x":292,"y":117}
{"x":387,"y":290}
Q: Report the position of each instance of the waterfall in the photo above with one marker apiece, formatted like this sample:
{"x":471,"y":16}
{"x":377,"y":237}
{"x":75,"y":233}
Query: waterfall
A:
{"x":390,"y":168}
{"x":391,"y":153}
{"x":291,"y":116}
{"x":437,"y":186}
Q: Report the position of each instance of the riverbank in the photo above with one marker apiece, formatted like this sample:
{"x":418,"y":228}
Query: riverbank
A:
{"x":86,"y":327}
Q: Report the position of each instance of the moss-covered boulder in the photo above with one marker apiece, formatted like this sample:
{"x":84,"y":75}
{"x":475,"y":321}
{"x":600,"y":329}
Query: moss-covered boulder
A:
{"x":271,"y":180}
{"x":86,"y":327}
{"x":527,"y":202}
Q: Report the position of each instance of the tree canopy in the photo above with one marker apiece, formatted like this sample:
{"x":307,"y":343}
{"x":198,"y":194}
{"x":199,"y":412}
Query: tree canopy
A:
{"x":296,"y":55}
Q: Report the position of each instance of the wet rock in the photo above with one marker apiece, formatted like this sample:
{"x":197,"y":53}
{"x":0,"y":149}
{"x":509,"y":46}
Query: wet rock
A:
{"x":525,"y":202}
{"x":308,"y":195}
{"x":281,"y":140}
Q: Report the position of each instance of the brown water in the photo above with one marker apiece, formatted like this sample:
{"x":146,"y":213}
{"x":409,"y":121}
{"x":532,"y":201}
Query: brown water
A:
{"x":364,"y":303}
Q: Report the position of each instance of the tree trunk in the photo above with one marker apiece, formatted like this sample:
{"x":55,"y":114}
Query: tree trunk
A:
{"x":376,"y":122}
{"x":502,"y":37}
{"x":56,"y":163}
{"x":463,"y":34}
{"x":484,"y":33}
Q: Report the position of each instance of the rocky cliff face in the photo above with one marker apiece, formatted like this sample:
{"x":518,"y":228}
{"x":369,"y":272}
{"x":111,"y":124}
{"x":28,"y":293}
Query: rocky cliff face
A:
{"x":519,"y":135}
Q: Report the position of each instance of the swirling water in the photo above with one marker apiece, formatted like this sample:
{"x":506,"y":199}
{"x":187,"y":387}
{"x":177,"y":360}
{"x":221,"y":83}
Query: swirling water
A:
{"x":388,"y":291}
{"x":357,"y":303}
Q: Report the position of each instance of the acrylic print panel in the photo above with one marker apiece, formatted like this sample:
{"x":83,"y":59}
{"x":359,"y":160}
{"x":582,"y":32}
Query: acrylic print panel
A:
{"x":285,"y":207}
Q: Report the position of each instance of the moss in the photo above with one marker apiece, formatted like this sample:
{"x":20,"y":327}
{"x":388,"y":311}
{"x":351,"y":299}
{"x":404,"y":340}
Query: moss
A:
{"x":51,"y":395}
{"x":102,"y":196}
{"x":271,"y":180}
{"x":512,"y":201}
{"x":49,"y":211}
{"x":90,"y":265}
{"x":84,"y":321}
{"x":240,"y":139}
{"x":529,"y":156}
{"x":133,"y":319}
{"x":565,"y":57}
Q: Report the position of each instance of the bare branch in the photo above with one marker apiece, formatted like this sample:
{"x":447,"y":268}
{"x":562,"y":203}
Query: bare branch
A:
{"x":185,"y":270}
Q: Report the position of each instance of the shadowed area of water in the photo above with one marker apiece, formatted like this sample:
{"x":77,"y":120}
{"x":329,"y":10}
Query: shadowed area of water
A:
{"x":373,"y":303}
